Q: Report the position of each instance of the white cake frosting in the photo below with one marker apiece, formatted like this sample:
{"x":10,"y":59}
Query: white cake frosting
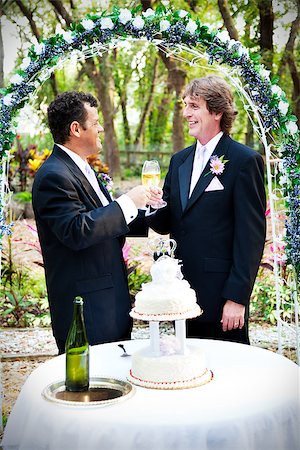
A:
{"x":170,"y":369}
{"x":168,"y":296}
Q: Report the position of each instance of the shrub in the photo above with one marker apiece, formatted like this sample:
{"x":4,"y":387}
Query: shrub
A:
{"x":263,"y":299}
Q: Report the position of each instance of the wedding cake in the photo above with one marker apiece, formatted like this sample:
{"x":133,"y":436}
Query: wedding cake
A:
{"x":168,"y":363}
{"x":168,"y":296}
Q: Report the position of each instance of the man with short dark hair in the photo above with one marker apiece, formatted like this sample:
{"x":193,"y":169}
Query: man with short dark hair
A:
{"x":81,"y":230}
{"x":216,"y":212}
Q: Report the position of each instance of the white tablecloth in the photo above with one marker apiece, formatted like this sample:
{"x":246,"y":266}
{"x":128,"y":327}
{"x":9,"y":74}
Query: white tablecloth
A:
{"x":252,"y":403}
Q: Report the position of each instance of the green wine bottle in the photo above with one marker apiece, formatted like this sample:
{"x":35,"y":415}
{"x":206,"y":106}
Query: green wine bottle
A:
{"x":77,"y":352}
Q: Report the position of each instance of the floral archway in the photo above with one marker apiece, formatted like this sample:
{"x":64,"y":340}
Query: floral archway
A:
{"x":177,"y":34}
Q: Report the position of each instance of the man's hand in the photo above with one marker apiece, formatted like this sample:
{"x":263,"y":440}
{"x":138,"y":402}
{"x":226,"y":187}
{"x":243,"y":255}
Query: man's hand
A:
{"x":140,"y":195}
{"x":233,"y":316}
{"x":156,"y":195}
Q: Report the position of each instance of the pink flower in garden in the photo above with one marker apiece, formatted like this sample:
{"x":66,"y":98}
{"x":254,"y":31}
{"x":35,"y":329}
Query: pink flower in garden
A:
{"x":279,"y":250}
{"x":35,"y":245}
{"x":217,"y":165}
{"x":126,"y":249}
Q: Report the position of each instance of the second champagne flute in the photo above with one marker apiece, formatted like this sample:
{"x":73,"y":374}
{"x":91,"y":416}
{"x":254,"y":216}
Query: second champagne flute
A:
{"x":151,"y":177}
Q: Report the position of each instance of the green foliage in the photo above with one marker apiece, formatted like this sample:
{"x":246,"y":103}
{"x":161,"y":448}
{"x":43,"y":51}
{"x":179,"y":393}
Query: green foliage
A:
{"x":23,"y":197}
{"x":19,"y":305}
{"x":131,"y":172}
{"x":135,"y":271}
{"x":136,"y":278}
{"x":23,"y":297}
{"x":4,"y":420}
{"x":263,"y":299}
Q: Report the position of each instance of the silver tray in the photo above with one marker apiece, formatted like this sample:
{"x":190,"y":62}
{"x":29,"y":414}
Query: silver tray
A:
{"x":102,"y":391}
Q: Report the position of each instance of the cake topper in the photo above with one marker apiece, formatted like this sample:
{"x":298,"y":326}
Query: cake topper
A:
{"x":162,"y":247}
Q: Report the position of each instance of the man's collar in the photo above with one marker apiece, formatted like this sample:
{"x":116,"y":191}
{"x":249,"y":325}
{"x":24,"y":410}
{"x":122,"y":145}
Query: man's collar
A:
{"x":75,"y":157}
{"x":211,"y":145}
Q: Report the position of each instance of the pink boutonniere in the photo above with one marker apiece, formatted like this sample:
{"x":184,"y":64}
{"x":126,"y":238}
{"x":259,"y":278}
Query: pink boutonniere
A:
{"x":217,"y":165}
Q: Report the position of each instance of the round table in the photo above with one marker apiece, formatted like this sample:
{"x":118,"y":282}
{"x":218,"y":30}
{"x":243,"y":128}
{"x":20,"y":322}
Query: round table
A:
{"x":252,"y":403}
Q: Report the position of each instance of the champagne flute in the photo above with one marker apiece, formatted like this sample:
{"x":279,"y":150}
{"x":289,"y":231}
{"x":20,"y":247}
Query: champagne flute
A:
{"x":151,"y":177}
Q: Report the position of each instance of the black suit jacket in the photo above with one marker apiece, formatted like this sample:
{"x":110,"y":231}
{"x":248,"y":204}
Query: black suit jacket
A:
{"x":81,"y":244}
{"x":220,"y":234}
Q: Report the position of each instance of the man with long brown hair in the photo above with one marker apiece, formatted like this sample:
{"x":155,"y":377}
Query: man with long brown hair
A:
{"x":216,"y":212}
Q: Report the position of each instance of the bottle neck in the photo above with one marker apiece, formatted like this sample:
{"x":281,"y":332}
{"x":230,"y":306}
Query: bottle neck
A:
{"x":77,"y":330}
{"x":78,"y":310}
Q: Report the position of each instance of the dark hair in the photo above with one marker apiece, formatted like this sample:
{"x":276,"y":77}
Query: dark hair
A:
{"x":66,"y":108}
{"x":218,"y":96}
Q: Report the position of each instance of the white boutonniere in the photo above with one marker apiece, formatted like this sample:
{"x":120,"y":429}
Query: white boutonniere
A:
{"x":217,"y":165}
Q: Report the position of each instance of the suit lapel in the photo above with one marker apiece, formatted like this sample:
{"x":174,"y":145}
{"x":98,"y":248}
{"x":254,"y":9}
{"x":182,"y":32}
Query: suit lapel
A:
{"x":103,"y":189}
{"x":206,"y":176}
{"x":184,"y":174}
{"x":59,"y":153}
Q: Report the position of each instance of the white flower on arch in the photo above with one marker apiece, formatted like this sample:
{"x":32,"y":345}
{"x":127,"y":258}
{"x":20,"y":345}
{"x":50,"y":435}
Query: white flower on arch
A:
{"x":138,"y":23}
{"x":191,"y":26}
{"x":149,"y":12}
{"x":16,"y":79}
{"x":8,"y":99}
{"x":88,"y":24}
{"x":182,"y":13}
{"x":277,"y":90}
{"x":68,"y":36}
{"x":283,"y":107}
{"x":292,"y":127}
{"x":25,"y":63}
{"x":223,"y":36}
{"x":125,"y":16}
{"x":107,"y":23}
{"x":39,"y":48}
{"x":164,"y":25}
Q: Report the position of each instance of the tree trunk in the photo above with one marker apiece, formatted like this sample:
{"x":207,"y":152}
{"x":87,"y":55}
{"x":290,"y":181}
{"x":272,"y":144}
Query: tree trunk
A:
{"x":289,"y":48}
{"x":126,"y":127}
{"x":158,"y":124}
{"x":141,"y":125}
{"x":192,"y":4}
{"x":296,"y":85}
{"x":266,"y":28}
{"x":288,"y":59}
{"x":146,"y":4}
{"x":249,"y":134}
{"x":29,"y":15}
{"x":122,"y":93}
{"x":102,"y":80}
{"x":61,"y":10}
{"x":105,"y":95}
{"x":178,"y":135}
{"x":228,"y":20}
{"x":177,"y":79}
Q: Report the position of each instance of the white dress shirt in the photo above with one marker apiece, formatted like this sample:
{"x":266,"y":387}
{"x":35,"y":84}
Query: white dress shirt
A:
{"x":202,"y":155}
{"x":126,"y":204}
